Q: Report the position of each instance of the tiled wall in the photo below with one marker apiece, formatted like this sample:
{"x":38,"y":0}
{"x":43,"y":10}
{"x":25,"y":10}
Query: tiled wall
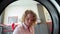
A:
{"x":0,"y":29}
{"x":7,"y":30}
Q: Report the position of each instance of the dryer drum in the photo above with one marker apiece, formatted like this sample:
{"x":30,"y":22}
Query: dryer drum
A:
{"x":50,"y":7}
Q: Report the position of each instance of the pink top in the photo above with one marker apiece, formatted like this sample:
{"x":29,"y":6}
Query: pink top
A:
{"x":22,"y":29}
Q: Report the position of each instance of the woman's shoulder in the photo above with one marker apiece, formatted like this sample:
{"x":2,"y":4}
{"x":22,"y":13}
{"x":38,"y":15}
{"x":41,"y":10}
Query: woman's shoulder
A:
{"x":19,"y":26}
{"x":17,"y":29}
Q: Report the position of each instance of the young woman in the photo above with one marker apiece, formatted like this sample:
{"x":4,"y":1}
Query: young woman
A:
{"x":28,"y":19}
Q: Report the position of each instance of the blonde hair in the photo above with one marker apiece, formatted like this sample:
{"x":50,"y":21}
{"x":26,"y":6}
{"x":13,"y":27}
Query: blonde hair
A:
{"x":29,"y":12}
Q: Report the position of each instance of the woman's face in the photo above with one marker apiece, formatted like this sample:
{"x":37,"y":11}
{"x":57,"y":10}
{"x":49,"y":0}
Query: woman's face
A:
{"x":29,"y":20}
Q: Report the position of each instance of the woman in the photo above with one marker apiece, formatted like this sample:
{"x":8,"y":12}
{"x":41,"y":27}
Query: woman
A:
{"x":28,"y":19}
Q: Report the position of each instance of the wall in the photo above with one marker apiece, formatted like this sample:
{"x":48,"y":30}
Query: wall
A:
{"x":47,"y":15}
